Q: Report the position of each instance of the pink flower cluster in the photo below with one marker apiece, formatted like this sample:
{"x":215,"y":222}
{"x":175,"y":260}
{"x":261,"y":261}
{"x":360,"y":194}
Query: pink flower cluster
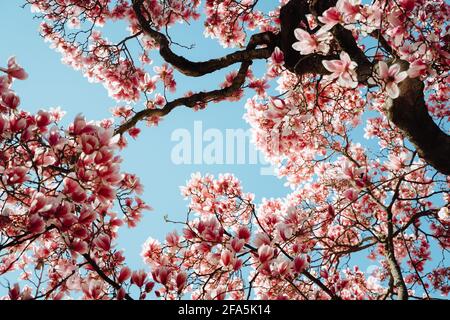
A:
{"x":59,"y":189}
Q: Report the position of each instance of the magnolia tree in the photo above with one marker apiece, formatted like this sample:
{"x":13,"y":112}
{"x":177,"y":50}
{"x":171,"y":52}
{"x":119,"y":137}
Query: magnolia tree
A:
{"x":339,"y":66}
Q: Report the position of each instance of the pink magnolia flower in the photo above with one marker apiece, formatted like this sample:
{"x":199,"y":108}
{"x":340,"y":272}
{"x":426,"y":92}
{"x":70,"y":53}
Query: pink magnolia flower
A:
{"x":260,"y":86}
{"x":79,"y":124}
{"x":105,"y":193}
{"x":18,"y":124}
{"x":407,"y":5}
{"x":149,"y":286}
{"x":161,"y":275}
{"x":300,"y":263}
{"x":343,"y":69}
{"x":10,"y":100}
{"x":285,"y":231}
{"x":40,"y":203}
{"x":237,"y":244}
{"x":89,"y":143}
{"x":330,"y":18}
{"x":54,"y":137}
{"x":14,"y":292}
{"x":121,"y":294}
{"x":181,"y":280}
{"x":4,"y":123}
{"x":73,"y":188}
{"x":159,"y":100}
{"x":262,"y":239}
{"x":226,"y":257}
{"x":311,"y":43}
{"x":93,"y":289}
{"x":14,"y":70}
{"x":265,"y":253}
{"x":78,"y":245}
{"x":237,"y":264}
{"x":124,"y":275}
{"x":283,"y":267}
{"x":444,"y":214}
{"x":86,"y":216}
{"x":173,"y":238}
{"x":417,"y":68}
{"x":138,"y":278}
{"x":15,"y":175}
{"x":103,"y":241}
{"x":243,"y":233}
{"x":351,"y":194}
{"x":36,"y":224}
{"x":391,"y":76}
{"x":350,"y":9}
{"x":277,"y":56}
{"x":43,"y":118}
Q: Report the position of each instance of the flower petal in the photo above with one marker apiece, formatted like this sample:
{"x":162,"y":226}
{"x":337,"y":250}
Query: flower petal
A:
{"x":345,"y":57}
{"x":301,"y":34}
{"x":392,"y":90}
{"x":393,"y":70}
{"x":332,"y":65}
{"x":401,"y":76}
{"x":383,"y":70}
{"x":298,"y":46}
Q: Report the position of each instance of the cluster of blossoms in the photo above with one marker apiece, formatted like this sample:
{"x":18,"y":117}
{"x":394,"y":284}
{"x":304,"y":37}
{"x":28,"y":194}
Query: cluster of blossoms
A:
{"x":289,"y":248}
{"x":225,"y":237}
{"x":342,"y":187}
{"x":229,"y":20}
{"x":58,"y":190}
{"x":403,"y":30}
{"x":104,"y":61}
{"x":412,"y":29}
{"x":301,"y":126}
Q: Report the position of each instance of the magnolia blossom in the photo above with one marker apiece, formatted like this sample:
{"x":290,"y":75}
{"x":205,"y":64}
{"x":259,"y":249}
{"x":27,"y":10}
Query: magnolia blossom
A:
{"x":330,"y":18}
{"x":417,"y":68}
{"x":311,"y":43}
{"x":444,"y":214}
{"x":391,"y":76}
{"x":345,"y":12}
{"x":343,"y":69}
{"x":350,"y":9}
{"x":14,"y":70}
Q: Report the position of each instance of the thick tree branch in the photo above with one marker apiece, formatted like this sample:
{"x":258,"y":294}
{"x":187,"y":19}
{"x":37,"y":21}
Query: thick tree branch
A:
{"x":394,"y":267}
{"x":100,"y":272}
{"x":291,"y":15}
{"x":191,"y":101}
{"x":348,"y":44}
{"x":198,"y":69}
{"x":410,"y":114}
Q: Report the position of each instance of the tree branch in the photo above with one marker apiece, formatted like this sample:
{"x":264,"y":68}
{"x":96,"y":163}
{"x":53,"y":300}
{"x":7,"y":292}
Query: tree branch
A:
{"x":100,"y":272}
{"x":410,"y":114}
{"x":201,"y":97}
{"x":198,"y":69}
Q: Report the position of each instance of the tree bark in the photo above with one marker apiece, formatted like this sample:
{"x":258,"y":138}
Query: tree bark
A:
{"x":410,"y":114}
